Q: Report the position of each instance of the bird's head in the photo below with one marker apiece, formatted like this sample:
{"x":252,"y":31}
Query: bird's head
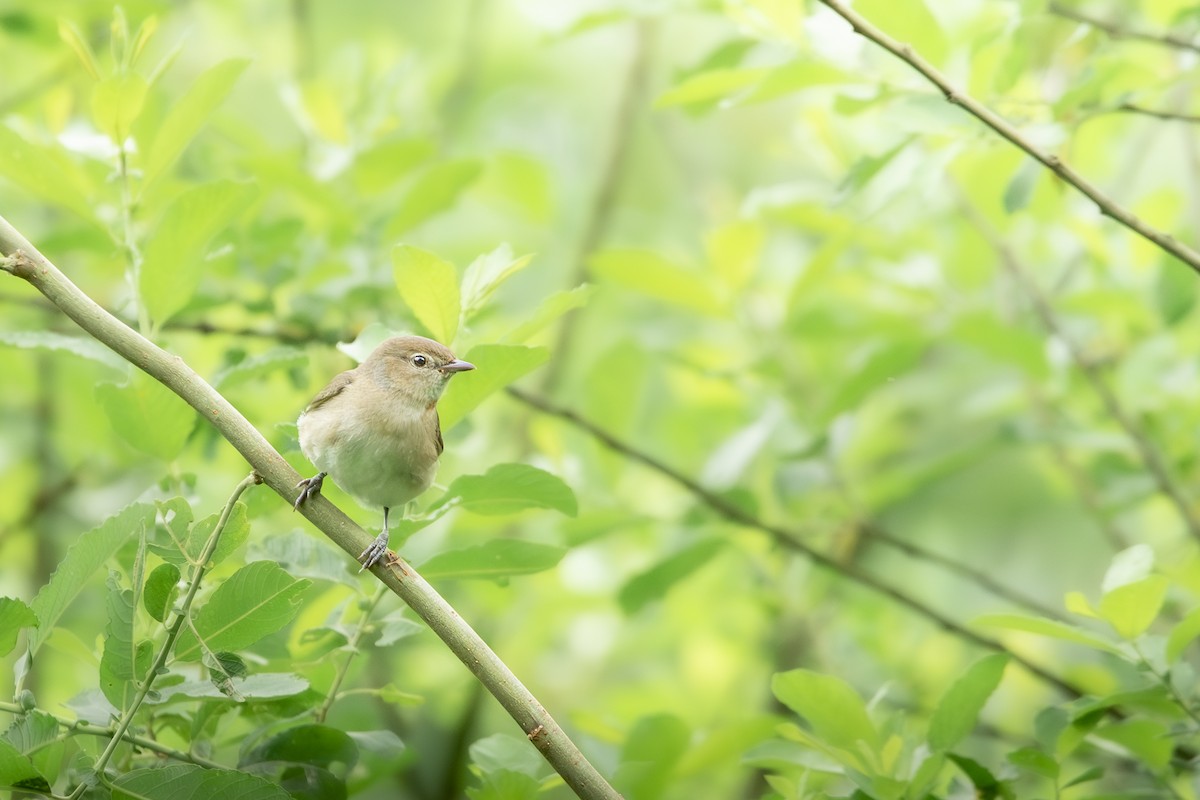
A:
{"x":415,"y":367}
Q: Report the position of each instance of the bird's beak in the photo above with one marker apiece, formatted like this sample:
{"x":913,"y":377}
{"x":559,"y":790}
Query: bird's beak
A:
{"x":458,"y":365}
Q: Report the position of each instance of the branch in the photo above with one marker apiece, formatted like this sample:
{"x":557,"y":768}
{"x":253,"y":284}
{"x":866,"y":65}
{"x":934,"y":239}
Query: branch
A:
{"x":600,"y":213}
{"x":82,"y":726}
{"x":791,"y":540}
{"x":1174,"y":116}
{"x":25,"y":262}
{"x":1151,"y":458}
{"x":1108,"y":207}
{"x":1120,"y":32}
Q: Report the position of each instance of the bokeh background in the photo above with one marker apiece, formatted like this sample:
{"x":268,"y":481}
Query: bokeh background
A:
{"x":764,"y":254}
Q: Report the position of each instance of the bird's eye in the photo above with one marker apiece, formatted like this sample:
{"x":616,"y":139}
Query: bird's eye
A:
{"x":418,"y":360}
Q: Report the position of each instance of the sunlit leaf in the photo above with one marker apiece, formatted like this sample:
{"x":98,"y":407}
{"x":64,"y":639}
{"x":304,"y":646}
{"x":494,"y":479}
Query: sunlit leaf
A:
{"x":173,"y":260}
{"x":188,"y":781}
{"x":116,"y":103}
{"x":831,"y":706}
{"x":652,"y":584}
{"x":1132,"y":607}
{"x":187,"y":115}
{"x":650,"y":274}
{"x":1044,"y":627}
{"x":959,"y":708}
{"x":496,"y":366}
{"x":508,"y":488}
{"x":432,"y":192}
{"x":492,"y":560}
{"x":429,"y":287}
{"x":257,"y":600}
{"x":143,"y":398}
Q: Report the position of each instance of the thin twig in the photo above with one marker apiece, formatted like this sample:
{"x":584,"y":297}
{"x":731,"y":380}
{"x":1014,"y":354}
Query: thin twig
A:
{"x":1108,"y":207}
{"x":1174,"y":116}
{"x":875,"y":532}
{"x":1121,"y":32}
{"x":364,"y":625}
{"x":21,"y":259}
{"x":1147,"y":451}
{"x":789,"y":539}
{"x":182,"y":615}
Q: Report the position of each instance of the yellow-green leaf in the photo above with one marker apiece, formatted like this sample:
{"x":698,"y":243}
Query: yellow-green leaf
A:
{"x":429,"y":287}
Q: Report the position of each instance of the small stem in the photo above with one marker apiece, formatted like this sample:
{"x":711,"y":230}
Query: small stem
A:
{"x":359,"y":632}
{"x":181,"y":617}
{"x":1121,"y":32}
{"x":74,"y":726}
{"x":133,"y":254}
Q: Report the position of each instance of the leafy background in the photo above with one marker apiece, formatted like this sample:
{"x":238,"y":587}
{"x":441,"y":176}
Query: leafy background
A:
{"x":896,"y":413}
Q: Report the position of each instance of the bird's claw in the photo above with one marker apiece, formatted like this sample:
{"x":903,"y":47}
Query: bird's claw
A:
{"x":375,"y":551}
{"x":309,"y":488}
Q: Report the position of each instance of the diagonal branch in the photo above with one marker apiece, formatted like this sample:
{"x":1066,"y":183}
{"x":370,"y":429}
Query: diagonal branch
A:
{"x":22,"y":260}
{"x":1108,"y":207}
{"x":1121,"y":32}
{"x":790,"y":539}
{"x":1153,"y":460}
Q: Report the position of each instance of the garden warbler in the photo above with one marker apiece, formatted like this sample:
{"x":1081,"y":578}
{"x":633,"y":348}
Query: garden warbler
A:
{"x":375,"y":430}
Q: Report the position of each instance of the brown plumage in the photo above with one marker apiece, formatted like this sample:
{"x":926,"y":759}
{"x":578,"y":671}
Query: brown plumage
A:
{"x":375,"y":430}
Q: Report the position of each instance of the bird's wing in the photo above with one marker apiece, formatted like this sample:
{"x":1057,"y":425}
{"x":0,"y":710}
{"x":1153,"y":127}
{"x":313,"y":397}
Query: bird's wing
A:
{"x":437,"y":434}
{"x":335,"y":387}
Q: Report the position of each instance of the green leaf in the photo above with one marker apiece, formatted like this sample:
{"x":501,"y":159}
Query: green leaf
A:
{"x":494,"y":559}
{"x":173,"y":260}
{"x":383,"y":165}
{"x":1020,"y":188}
{"x":550,"y":310}
{"x":959,"y":708}
{"x":188,"y":113}
{"x":505,"y":784}
{"x":1131,"y":608}
{"x":36,"y":734}
{"x":46,"y":173}
{"x":14,"y":615}
{"x":1149,"y":741}
{"x":162,"y":587}
{"x":881,"y":367}
{"x":650,"y":754}
{"x":147,"y":415}
{"x":486,"y":273}
{"x":1128,"y":566}
{"x":312,"y":760}
{"x":1182,"y":635}
{"x":190,"y":782}
{"x":1174,"y":291}
{"x":803,"y":73}
{"x":125,"y":661}
{"x":116,"y":102}
{"x":985,"y":783}
{"x":83,"y":346}
{"x":237,"y":530}
{"x":523,"y":183}
{"x":910,"y":23}
{"x":69,"y":32}
{"x":834,"y":710}
{"x":734,"y":250}
{"x":496,"y":366}
{"x":18,"y":771}
{"x":654,"y":583}
{"x":256,"y":601}
{"x":434,"y":191}
{"x":706,"y":87}
{"x":500,"y":752}
{"x":1033,"y":760}
{"x":508,"y":488}
{"x":83,"y":558}
{"x":429,"y":286}
{"x":395,"y":627}
{"x":1045,"y":627}
{"x":259,"y":686}
{"x":259,"y":366}
{"x":648,"y":273}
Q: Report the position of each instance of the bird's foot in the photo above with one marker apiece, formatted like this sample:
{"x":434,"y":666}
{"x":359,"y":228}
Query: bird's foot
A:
{"x":309,"y":488}
{"x":375,"y":551}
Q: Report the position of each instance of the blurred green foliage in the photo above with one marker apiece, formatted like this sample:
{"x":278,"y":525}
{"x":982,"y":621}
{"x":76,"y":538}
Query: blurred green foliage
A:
{"x":845,"y":393}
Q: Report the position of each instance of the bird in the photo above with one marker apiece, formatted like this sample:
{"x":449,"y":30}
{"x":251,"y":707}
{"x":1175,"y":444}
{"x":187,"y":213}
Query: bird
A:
{"x":375,"y":429}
